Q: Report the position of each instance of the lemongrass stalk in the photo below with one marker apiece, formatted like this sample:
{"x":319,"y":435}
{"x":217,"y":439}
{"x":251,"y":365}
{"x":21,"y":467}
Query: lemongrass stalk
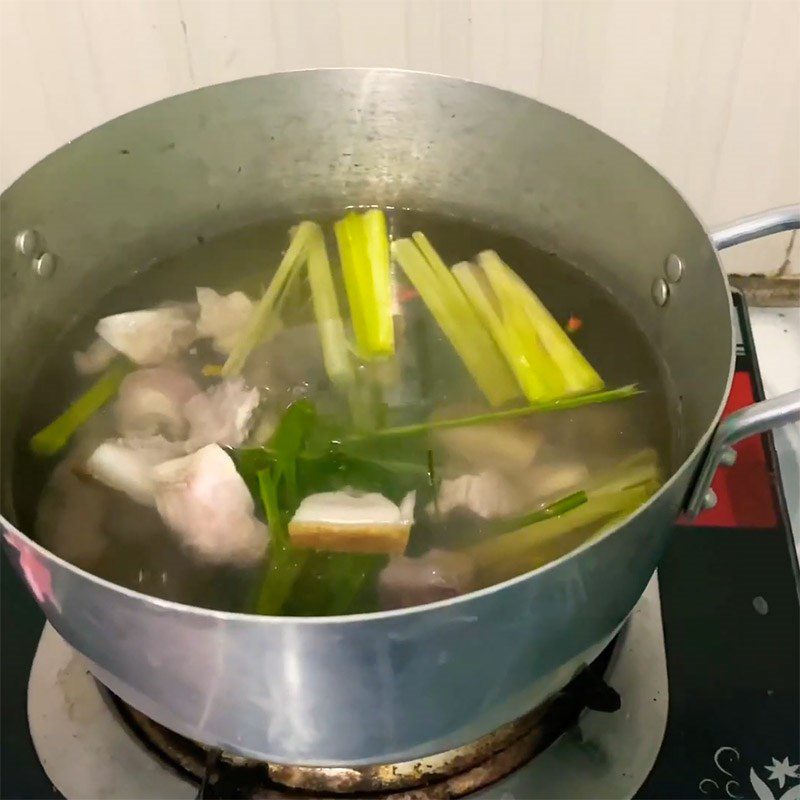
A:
{"x":355,"y":269}
{"x":261,"y":318}
{"x":516,"y":319}
{"x":639,"y":468}
{"x":438,"y":266}
{"x":506,"y":336}
{"x":54,"y":437}
{"x":452,"y":288}
{"x":557,"y":404}
{"x":381,"y":330}
{"x":469,"y":317}
{"x":577,"y":372}
{"x":511,"y":550}
{"x":335,"y":350}
{"x":464,"y":330}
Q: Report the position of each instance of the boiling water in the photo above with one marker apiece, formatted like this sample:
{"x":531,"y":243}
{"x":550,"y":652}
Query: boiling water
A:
{"x":138,"y":552}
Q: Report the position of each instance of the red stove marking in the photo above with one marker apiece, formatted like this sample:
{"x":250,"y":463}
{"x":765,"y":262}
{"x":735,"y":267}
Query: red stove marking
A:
{"x":745,"y":496}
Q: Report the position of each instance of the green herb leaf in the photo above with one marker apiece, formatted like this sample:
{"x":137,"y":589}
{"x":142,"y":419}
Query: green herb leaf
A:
{"x":293,"y":429}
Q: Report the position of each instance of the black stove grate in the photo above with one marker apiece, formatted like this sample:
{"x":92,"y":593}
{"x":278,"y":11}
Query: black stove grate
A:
{"x":220,"y":776}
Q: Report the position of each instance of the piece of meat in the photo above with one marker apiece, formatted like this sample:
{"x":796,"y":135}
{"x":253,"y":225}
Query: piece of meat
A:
{"x":69,"y":518}
{"x":151,"y":401}
{"x":548,"y":482}
{"x":486,"y":494}
{"x":290,"y":362}
{"x":222,"y":317}
{"x":437,"y":575}
{"x":222,"y":414}
{"x":149,"y":337}
{"x":352,"y":522}
{"x":127,"y":465}
{"x":504,"y":446}
{"x":95,"y":358}
{"x":205,"y":502}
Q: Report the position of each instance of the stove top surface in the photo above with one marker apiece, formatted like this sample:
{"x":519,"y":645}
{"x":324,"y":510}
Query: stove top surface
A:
{"x":707,"y":670}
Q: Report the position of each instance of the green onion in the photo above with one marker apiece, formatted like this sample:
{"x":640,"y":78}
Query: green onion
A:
{"x":331,"y":583}
{"x":431,"y":470}
{"x":577,"y":373}
{"x":455,"y":316}
{"x":262,"y":318}
{"x":284,"y":564}
{"x":557,"y":404}
{"x":556,"y":509}
{"x":347,"y":577}
{"x":253,"y":459}
{"x":335,"y":350}
{"x":54,"y":437}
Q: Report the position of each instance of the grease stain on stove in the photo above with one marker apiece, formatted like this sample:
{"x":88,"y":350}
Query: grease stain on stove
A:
{"x":760,"y":605}
{"x":70,"y":678}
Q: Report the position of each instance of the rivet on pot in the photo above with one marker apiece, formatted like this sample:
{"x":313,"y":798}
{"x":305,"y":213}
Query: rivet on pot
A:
{"x":728,"y":457}
{"x":29,"y":243}
{"x":709,"y":499}
{"x":45,"y":265}
{"x":660,"y":292}
{"x":673,"y":268}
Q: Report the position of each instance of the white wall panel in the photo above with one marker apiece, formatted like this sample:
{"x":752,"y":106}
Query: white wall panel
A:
{"x":707,"y":91}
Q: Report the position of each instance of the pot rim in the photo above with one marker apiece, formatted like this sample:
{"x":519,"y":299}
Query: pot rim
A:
{"x":11,"y":530}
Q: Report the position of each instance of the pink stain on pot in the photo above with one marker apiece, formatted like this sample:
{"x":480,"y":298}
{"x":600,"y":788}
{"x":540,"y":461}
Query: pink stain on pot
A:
{"x":36,"y":574}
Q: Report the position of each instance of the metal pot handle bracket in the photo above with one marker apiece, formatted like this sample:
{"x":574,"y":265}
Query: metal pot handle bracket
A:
{"x":758,"y":417}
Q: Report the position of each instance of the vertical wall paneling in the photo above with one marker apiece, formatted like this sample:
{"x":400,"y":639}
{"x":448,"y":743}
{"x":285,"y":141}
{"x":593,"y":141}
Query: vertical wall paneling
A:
{"x":708,"y":91}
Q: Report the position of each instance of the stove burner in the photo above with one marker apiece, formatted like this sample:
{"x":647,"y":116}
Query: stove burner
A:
{"x":453,"y":774}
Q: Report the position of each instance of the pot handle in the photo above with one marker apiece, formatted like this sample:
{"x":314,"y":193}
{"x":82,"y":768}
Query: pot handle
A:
{"x":756,"y":418}
{"x":761,"y":416}
{"x":785,"y":218}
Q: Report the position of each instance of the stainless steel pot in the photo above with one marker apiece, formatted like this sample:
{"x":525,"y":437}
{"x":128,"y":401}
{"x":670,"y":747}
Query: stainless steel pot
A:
{"x":402,"y":684}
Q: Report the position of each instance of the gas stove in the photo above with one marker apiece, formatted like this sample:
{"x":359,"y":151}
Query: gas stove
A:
{"x":706,"y":670}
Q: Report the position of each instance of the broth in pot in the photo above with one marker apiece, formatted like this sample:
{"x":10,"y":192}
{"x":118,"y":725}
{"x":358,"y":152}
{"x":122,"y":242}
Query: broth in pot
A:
{"x":395,"y":409}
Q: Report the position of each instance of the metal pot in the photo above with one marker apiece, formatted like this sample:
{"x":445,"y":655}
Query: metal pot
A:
{"x":402,"y":684}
